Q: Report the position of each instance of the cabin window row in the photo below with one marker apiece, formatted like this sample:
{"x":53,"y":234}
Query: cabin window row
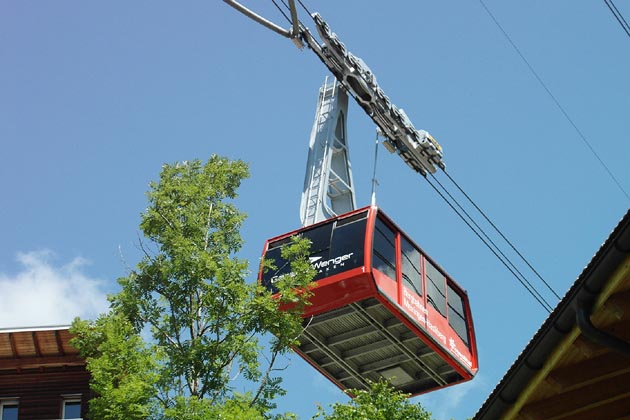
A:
{"x":440,"y":293}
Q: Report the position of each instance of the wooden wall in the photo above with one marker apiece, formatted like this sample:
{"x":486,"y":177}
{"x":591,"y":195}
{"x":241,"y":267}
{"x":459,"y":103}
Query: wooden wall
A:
{"x":40,"y":391}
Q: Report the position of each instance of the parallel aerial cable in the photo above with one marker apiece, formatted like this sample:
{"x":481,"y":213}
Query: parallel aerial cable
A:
{"x":492,"y":246}
{"x":470,"y":200}
{"x":417,"y":148}
{"x":282,"y":10}
{"x":305,"y":8}
{"x":556,"y":102}
{"x":617,"y":14}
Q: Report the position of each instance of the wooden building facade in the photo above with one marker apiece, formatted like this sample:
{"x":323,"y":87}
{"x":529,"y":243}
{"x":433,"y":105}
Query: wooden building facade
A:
{"x":42,"y":377}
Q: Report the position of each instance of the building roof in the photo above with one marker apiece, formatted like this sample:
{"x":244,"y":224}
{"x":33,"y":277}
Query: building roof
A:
{"x":564,"y":374}
{"x":37,"y":347}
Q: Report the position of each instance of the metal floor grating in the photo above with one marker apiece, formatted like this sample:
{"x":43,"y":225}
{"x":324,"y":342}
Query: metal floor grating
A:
{"x":364,"y":342}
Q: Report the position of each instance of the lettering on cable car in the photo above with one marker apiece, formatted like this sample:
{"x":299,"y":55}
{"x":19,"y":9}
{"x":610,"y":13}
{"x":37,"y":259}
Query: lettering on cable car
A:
{"x":436,"y":330}
{"x":318,"y":263}
{"x":456,"y":352}
{"x":276,"y":278}
{"x":413,"y":305}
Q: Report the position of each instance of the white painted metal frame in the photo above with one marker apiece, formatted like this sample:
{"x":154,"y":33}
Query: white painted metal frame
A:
{"x":328,"y":185}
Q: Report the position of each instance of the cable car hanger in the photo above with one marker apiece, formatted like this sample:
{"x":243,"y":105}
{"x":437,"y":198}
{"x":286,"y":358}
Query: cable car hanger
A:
{"x":418,"y":149}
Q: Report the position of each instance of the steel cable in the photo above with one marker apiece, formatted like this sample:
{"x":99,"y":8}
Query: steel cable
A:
{"x":497,"y":252}
{"x":617,"y":14}
{"x":502,"y":235}
{"x":556,"y":102}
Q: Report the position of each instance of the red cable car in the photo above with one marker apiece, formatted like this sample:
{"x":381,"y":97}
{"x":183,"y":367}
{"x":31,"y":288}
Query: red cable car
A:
{"x":381,"y":307}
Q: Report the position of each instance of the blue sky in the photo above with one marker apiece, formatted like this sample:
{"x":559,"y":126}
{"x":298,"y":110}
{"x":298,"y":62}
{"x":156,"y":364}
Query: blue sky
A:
{"x":96,"y":96}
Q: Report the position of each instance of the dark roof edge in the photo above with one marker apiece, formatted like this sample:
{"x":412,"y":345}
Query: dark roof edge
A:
{"x":559,"y":323}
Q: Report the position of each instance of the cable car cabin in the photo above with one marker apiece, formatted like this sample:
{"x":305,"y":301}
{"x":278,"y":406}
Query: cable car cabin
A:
{"x":381,"y":307}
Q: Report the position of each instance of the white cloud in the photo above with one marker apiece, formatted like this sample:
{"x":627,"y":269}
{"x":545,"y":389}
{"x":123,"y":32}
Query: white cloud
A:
{"x":43,"y":294}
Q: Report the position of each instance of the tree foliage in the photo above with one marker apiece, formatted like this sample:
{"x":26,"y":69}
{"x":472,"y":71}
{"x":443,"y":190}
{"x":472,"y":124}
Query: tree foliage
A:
{"x":122,"y":367}
{"x":190,"y":297}
{"x":380,"y":402}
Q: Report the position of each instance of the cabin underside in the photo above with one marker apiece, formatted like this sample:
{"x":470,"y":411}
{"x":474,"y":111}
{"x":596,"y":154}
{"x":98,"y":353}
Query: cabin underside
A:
{"x":364,"y":341}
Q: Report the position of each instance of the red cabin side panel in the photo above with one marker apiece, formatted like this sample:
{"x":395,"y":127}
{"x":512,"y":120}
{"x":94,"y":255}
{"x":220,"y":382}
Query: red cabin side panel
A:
{"x":340,"y":290}
{"x":427,"y":321}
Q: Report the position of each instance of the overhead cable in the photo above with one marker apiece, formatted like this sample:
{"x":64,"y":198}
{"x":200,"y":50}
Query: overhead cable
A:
{"x":502,"y":235}
{"x":556,"y":102}
{"x":282,"y":10}
{"x":617,"y":14}
{"x":478,"y":231}
{"x":305,"y":8}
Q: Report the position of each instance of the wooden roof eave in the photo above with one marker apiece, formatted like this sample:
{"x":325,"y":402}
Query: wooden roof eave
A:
{"x":559,"y":325}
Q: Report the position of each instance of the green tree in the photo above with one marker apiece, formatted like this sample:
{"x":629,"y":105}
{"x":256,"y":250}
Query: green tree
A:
{"x":123,"y":372}
{"x":380,"y":402}
{"x":190,"y":296}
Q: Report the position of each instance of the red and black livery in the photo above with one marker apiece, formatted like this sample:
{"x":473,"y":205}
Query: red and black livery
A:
{"x":381,"y":307}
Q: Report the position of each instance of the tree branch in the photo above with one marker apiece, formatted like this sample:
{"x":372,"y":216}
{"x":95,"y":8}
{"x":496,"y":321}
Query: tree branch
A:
{"x":265,"y":379}
{"x":205,"y":248}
